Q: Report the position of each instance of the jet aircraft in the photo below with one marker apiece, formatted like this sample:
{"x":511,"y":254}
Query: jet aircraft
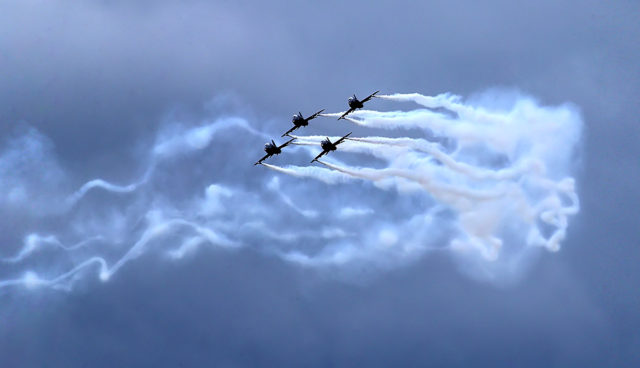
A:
{"x":298,"y":121}
{"x":354,"y":104}
{"x":271,"y":149}
{"x":327,"y":146}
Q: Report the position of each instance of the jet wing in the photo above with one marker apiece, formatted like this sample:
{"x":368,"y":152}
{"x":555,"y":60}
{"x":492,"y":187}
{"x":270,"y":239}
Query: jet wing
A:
{"x":262,"y":159}
{"x":320,"y":155}
{"x":342,"y":139}
{"x":369,"y":97}
{"x":286,"y":143}
{"x":291,"y":130}
{"x":314,"y":115}
{"x":347,"y":113}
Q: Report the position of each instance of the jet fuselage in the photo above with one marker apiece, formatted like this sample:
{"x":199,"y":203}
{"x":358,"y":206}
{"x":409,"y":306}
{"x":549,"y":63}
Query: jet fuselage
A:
{"x":327,"y":145}
{"x":354,"y":103}
{"x":298,"y":120}
{"x":272,"y":149}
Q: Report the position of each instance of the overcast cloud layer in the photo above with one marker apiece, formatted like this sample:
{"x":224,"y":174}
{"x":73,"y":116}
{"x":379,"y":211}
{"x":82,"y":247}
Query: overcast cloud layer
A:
{"x":169,"y":104}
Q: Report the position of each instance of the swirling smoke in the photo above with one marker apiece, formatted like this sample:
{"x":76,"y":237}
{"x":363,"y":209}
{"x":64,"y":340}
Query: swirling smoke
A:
{"x":487,"y":180}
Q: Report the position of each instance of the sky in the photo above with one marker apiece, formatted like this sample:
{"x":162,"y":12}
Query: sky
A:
{"x":136,"y":230}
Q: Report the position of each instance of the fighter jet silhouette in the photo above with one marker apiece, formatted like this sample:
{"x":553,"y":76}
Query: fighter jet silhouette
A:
{"x":354,"y":104}
{"x":327,"y":146}
{"x":271,"y":149}
{"x":298,"y":121}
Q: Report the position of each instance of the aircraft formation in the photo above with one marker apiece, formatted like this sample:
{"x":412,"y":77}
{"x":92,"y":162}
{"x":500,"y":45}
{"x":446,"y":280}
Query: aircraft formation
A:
{"x":299,"y":121}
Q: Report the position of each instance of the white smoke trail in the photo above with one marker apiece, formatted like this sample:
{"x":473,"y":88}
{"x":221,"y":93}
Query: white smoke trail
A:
{"x":274,"y":185}
{"x":181,"y":141}
{"x":171,"y":143}
{"x":493,"y":186}
{"x":34,"y":242}
{"x":175,"y":140}
{"x":110,"y":187}
{"x":506,"y":178}
{"x":159,"y":228}
{"x":457,"y":196}
{"x":324,"y":175}
{"x":433,"y":149}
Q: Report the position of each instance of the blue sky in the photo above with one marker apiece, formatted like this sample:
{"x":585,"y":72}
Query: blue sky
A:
{"x":128,"y":134}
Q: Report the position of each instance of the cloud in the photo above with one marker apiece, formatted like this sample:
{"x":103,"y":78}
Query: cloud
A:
{"x":29,"y":173}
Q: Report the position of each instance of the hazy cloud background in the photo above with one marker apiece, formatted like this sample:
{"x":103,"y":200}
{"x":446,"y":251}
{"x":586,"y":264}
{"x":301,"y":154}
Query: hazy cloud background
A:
{"x":89,"y":87}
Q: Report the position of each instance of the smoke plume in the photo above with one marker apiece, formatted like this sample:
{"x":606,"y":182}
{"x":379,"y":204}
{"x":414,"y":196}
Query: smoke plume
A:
{"x":487,"y":181}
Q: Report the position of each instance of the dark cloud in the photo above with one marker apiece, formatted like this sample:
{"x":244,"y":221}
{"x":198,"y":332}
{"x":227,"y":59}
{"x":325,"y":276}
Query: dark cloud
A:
{"x":100,"y":80}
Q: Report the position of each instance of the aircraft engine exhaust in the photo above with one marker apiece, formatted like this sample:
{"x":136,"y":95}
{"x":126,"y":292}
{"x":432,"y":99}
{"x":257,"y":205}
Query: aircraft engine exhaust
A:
{"x":502,"y":169}
{"x":487,"y":181}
